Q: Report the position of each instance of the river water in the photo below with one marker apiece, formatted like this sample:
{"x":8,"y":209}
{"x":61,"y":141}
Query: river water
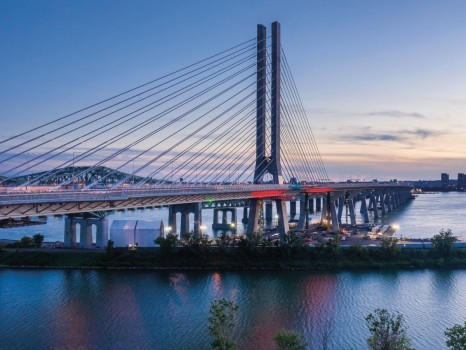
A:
{"x":420,"y":218}
{"x":96,"y":309}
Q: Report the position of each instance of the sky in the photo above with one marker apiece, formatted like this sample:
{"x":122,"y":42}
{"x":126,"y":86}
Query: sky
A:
{"x":383,"y":82}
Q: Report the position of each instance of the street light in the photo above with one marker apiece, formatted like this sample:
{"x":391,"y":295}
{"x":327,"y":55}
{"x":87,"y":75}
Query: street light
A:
{"x":203,"y":228}
{"x":72,"y":168}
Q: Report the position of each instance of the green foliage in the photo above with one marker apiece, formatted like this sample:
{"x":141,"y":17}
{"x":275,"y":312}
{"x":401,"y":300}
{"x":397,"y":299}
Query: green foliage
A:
{"x":255,"y":239}
{"x":167,"y":244}
{"x":38,"y":239}
{"x":26,"y":241}
{"x":357,"y":252}
{"x":292,"y":244}
{"x":292,"y":240}
{"x":388,"y":331}
{"x":225,"y":240}
{"x":442,"y":243}
{"x":222,"y":322}
{"x":250,"y":244}
{"x":202,"y":244}
{"x":110,"y":245}
{"x":289,"y":340}
{"x":187,"y":239}
{"x":389,"y":248}
{"x":456,"y":337}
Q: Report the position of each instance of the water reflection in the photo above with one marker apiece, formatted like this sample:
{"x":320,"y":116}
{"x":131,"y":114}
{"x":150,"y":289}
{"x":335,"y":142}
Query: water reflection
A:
{"x":169,"y":310}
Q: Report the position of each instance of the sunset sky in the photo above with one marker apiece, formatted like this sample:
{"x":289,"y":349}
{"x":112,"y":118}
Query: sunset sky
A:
{"x":383,"y":82}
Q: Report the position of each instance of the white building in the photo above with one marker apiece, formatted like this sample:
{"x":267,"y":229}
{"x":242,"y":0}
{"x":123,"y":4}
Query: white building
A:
{"x":140,"y":233}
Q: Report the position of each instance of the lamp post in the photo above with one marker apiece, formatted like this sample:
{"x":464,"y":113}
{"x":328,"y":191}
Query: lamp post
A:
{"x":202,"y":228}
{"x":169,"y":230}
{"x":72,"y":169}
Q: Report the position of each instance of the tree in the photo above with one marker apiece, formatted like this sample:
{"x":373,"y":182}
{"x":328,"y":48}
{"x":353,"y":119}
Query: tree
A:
{"x":187,"y":239}
{"x":38,"y":239}
{"x":221,"y":323}
{"x":168,"y":243}
{"x":388,"y":331}
{"x":26,"y":241}
{"x":456,"y":337}
{"x":109,"y":248}
{"x":225,"y":240}
{"x":443,"y":243}
{"x":289,"y":340}
{"x":389,"y":247}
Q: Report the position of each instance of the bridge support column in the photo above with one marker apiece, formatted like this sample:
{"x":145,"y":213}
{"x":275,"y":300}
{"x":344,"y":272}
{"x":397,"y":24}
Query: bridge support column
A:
{"x":255,"y":208}
{"x":333,"y":214}
{"x":382,"y":203}
{"x":323,"y":215}
{"x":85,"y":232}
{"x":185,"y":210}
{"x":70,"y":232}
{"x":292,"y":209}
{"x":388,"y":202}
{"x":283,"y":226}
{"x":373,"y":204}
{"x":341,"y":204}
{"x":85,"y":236}
{"x":318,"y":204}
{"x":245,"y":215}
{"x":225,"y":224}
{"x":101,"y":236}
{"x":363,"y":210}
{"x":311,"y":205}
{"x":303,"y":212}
{"x":268,"y":212}
{"x":351,"y":212}
{"x":393,"y":197}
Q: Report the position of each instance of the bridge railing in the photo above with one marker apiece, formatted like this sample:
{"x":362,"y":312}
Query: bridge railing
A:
{"x":19,"y":195}
{"x":15,"y":195}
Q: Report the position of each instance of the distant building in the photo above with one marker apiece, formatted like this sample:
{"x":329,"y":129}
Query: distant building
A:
{"x":445,"y":180}
{"x":461,"y":185}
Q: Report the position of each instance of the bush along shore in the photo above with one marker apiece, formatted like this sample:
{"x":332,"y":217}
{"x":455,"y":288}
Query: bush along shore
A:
{"x":250,"y":252}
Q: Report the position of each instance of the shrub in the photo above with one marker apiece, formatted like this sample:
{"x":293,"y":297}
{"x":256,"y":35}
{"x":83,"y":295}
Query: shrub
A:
{"x":38,"y":239}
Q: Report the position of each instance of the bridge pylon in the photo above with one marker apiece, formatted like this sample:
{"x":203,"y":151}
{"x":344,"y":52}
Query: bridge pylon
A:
{"x":268,"y":163}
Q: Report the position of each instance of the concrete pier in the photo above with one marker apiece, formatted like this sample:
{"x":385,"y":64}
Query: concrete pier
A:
{"x":185,"y":210}
{"x":85,"y":232}
{"x":292,"y":210}
{"x":268,"y":212}
{"x":245,"y":215}
{"x":311,"y":205}
{"x":318,"y":204}
{"x":225,"y":224}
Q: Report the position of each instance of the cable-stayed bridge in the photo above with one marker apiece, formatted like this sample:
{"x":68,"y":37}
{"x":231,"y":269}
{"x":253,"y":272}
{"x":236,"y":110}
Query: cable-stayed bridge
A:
{"x":227,"y":130}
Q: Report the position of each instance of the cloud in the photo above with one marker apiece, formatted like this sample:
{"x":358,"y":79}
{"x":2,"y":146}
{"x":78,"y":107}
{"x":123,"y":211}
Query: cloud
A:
{"x":377,"y":137}
{"x":421,"y":133}
{"x":397,"y":136}
{"x":397,"y":114}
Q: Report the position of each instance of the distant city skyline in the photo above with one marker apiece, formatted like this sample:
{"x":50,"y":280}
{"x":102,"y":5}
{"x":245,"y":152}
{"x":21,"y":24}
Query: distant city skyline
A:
{"x":382,"y":82}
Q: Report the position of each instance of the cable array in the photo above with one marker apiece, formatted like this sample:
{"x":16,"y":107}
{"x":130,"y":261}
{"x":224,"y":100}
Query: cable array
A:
{"x":196,"y":125}
{"x":301,"y":158}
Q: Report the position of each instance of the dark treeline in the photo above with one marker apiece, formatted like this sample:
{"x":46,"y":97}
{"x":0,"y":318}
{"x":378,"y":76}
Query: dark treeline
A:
{"x":248,"y":253}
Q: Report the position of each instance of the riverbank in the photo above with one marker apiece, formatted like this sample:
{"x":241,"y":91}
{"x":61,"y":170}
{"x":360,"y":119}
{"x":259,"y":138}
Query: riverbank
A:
{"x":328,"y":258}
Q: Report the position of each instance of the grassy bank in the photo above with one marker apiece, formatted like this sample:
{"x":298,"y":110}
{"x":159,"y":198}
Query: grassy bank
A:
{"x":331,"y":258}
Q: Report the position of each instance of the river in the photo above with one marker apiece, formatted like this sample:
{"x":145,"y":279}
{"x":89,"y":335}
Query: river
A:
{"x":96,"y":309}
